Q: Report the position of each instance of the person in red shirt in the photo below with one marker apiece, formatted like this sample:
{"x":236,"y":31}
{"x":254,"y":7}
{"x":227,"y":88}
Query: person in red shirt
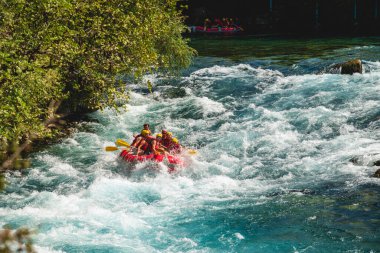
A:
{"x":147,"y":145}
{"x":166,"y":139}
{"x":170,"y":143}
{"x":145,"y":127}
{"x":175,"y":147}
{"x":159,"y":147}
{"x":206,"y":24}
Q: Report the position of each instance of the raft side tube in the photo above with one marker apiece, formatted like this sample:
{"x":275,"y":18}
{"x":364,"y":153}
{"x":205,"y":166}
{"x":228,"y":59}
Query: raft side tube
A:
{"x":157,"y":158}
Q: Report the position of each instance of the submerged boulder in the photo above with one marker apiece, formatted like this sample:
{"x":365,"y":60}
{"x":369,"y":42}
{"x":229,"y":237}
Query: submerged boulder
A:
{"x":349,"y":67}
{"x":377,"y":173}
{"x":355,"y":160}
{"x":174,"y":93}
{"x":366,"y":160}
{"x":362,"y":161}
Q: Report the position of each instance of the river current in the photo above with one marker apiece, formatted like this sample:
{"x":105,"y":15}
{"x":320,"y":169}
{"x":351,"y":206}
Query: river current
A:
{"x":285,"y":159}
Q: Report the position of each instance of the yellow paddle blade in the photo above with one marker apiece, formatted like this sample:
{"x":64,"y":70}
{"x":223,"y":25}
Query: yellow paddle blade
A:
{"x":192,"y":151}
{"x":110,"y":148}
{"x":120,"y":142}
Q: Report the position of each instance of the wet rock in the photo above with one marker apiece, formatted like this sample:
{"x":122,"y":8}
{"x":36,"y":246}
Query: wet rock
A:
{"x":349,"y":67}
{"x":355,"y":160}
{"x":377,"y":174}
{"x":175,"y":93}
{"x":366,"y":160}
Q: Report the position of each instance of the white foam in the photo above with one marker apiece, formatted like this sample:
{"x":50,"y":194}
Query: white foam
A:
{"x":205,"y":77}
{"x":209,"y":106}
{"x":235,"y":71}
{"x":239,"y":236}
{"x":242,"y":158}
{"x":371,"y":66}
{"x":41,"y":249}
{"x":58,"y":167}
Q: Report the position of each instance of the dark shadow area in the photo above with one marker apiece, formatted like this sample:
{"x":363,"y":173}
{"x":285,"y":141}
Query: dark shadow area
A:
{"x":323,"y":17}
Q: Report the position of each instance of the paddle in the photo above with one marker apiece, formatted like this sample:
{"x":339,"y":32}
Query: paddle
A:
{"x":192,"y":151}
{"x":110,"y":148}
{"x":120,"y":142}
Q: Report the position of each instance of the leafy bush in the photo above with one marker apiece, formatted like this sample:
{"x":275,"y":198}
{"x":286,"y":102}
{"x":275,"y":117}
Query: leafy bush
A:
{"x":16,"y":241}
{"x":73,"y":51}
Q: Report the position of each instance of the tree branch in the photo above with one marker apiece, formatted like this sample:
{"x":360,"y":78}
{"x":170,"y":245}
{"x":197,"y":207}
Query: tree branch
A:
{"x":51,"y":121}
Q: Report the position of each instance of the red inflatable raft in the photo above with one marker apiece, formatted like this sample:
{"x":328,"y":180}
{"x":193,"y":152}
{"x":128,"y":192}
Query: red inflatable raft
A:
{"x":215,"y":30}
{"x":157,"y":158}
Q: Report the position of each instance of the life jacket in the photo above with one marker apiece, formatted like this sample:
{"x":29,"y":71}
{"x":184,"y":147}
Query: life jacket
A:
{"x":158,"y":144}
{"x":147,"y":147}
{"x":137,"y":136}
{"x":166,"y":143}
{"x":135,"y":139}
{"x":175,"y":147}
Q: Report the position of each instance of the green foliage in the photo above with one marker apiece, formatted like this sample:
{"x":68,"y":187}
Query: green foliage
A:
{"x":74,"y":51}
{"x":2,"y":182}
{"x":16,"y":241}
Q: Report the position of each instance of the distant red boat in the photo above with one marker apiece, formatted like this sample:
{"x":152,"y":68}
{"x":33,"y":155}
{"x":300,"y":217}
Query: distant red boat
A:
{"x":215,"y":29}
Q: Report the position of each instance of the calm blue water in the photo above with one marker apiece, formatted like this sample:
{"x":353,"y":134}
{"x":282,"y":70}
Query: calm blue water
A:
{"x":275,"y":134}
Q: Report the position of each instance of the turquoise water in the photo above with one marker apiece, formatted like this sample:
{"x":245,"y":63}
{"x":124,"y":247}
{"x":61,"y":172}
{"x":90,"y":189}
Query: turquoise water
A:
{"x":275,"y":133}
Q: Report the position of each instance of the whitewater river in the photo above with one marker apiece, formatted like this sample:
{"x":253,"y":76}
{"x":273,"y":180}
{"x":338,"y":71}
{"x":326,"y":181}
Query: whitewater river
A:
{"x":284,"y":164}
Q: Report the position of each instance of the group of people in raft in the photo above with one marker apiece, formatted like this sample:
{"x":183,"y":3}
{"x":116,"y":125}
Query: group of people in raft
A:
{"x":221,"y":23}
{"x":162,"y":143}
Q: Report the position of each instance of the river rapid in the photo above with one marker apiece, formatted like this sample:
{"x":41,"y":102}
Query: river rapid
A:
{"x":284,"y":164}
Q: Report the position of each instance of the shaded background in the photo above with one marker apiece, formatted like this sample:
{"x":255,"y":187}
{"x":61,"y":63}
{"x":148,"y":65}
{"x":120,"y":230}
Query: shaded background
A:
{"x":291,"y":16}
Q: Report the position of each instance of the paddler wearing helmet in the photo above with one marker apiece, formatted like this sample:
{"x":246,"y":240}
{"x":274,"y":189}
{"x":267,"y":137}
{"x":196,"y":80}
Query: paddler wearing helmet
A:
{"x":166,"y":138}
{"x":148,"y":144}
{"x":175,"y":147}
{"x":170,"y":143}
{"x":138,"y":142}
{"x":159,"y":147}
{"x":145,"y":127}
{"x":138,"y":137}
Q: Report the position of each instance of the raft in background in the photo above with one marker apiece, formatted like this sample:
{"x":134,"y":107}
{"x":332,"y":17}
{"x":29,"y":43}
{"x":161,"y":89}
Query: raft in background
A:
{"x":215,"y":30}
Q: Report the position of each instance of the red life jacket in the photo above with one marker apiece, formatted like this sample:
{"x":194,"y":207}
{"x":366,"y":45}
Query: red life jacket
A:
{"x":166,"y":143}
{"x":158,"y":144}
{"x":147,"y":147}
{"x":135,"y":139}
{"x":176,"y":147}
{"x":137,"y":136}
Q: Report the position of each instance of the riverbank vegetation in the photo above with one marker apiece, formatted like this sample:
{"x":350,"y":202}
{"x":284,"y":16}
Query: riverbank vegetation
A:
{"x":62,"y":57}
{"x":19,"y":240}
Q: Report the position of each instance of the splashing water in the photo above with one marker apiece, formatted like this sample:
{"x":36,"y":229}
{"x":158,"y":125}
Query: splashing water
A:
{"x":272,"y":174}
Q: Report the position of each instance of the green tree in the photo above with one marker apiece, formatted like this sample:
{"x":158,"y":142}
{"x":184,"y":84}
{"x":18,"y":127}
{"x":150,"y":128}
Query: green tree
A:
{"x":69,"y":55}
{"x":16,"y":240}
